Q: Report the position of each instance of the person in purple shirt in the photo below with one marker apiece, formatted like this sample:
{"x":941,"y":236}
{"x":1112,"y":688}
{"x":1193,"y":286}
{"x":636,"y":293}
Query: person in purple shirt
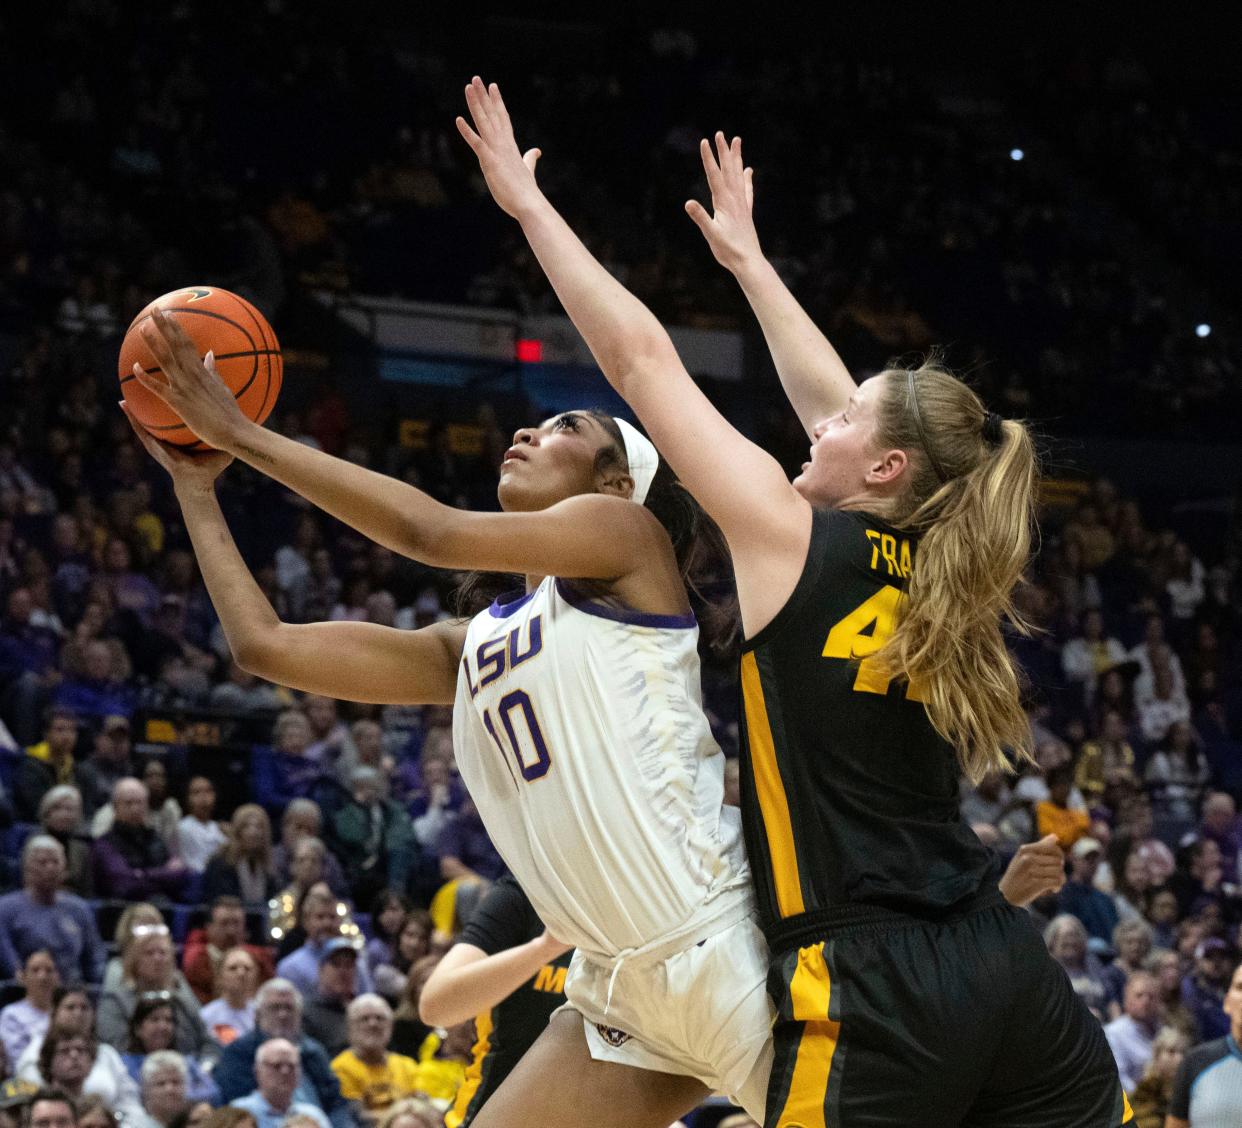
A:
{"x":42,"y":915}
{"x":465,"y":850}
{"x":95,"y":692}
{"x":322,"y":925}
{"x":1222,"y":825}
{"x":131,"y":860}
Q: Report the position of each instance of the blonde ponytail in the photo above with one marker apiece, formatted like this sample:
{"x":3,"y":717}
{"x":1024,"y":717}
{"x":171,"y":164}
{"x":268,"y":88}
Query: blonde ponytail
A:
{"x":972,"y":500}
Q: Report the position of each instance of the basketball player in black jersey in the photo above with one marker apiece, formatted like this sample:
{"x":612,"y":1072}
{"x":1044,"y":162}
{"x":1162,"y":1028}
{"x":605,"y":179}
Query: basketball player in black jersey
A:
{"x":872,"y":588}
{"x":507,"y":973}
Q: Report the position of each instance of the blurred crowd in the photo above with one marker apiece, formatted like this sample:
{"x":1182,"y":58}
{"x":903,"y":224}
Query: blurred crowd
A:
{"x":187,"y":929}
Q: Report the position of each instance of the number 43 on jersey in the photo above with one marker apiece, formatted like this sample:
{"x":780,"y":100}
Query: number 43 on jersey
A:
{"x":861,"y":633}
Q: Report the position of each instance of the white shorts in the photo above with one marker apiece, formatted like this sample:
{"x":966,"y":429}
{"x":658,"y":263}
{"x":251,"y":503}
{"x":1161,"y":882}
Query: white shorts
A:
{"x":703,"y":1012}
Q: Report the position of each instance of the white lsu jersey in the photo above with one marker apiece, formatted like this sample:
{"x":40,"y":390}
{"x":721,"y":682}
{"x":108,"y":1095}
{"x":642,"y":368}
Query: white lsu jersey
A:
{"x":580,"y":734}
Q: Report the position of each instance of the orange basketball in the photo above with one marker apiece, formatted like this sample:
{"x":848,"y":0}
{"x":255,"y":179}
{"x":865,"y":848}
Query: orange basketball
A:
{"x":246,"y":351}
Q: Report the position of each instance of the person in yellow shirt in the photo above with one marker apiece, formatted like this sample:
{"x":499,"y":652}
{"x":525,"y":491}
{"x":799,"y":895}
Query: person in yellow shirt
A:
{"x":1054,"y":816}
{"x":368,"y":1073}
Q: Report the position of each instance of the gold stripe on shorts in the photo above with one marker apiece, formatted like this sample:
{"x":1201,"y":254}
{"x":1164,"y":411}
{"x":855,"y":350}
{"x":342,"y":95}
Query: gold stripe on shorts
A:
{"x":810,"y":992}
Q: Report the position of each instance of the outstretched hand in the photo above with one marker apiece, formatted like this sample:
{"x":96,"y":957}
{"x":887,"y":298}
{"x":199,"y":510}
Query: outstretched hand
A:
{"x":187,"y":469}
{"x":510,"y":173}
{"x":730,"y":229}
{"x":188,"y":383}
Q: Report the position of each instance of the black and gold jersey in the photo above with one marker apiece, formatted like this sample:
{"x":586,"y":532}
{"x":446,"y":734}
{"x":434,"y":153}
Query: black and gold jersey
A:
{"x":849,"y":796}
{"x":503,"y":920}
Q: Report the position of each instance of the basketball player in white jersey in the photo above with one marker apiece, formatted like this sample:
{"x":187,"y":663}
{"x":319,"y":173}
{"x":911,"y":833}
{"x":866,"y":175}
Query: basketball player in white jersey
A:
{"x":578,"y":729}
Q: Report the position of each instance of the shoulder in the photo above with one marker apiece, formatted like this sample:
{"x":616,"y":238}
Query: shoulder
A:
{"x":1204,"y":1057}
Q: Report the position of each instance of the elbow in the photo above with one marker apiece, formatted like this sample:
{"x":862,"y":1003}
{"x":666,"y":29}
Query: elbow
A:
{"x":432,"y":1009}
{"x":254,"y":653}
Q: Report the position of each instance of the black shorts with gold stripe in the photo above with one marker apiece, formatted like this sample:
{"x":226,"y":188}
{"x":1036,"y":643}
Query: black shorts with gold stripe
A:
{"x":886,"y":1019}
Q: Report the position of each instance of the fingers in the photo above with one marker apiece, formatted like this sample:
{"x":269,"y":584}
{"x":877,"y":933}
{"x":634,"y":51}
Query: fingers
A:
{"x":698,"y":213}
{"x":471,"y":138}
{"x":153,"y":383}
{"x":710,"y":166}
{"x":750,"y":187}
{"x":531,"y":158}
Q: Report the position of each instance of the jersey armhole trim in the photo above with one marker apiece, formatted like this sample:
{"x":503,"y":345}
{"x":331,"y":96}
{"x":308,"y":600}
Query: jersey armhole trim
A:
{"x":812,"y":565}
{"x":623,"y":615}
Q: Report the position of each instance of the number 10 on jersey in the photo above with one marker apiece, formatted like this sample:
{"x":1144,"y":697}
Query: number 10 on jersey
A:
{"x":525,"y":736}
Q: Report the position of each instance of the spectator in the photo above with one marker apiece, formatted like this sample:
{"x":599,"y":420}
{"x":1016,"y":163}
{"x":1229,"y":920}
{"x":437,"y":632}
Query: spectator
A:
{"x":1132,"y":880}
{"x":1185,"y":586}
{"x":413,"y":943}
{"x":1204,"y":989}
{"x":302,"y":819}
{"x":279,"y":1068}
{"x":151,"y":1031}
{"x":71,"y":1059}
{"x":1162,"y":912}
{"x":1162,"y":707}
{"x":1177,"y":773}
{"x":28,"y":656}
{"x":1154,"y":651}
{"x":1150,"y":1099}
{"x":465,"y":851}
{"x":367,"y":737}
{"x":97,"y":691}
{"x":409,"y":1030}
{"x":46,"y":764}
{"x":150,"y":969}
{"x":1198,"y":878}
{"x":279,"y":1015}
{"x":1085,"y":658}
{"x":368,"y":1072}
{"x":1203,"y":1096}
{"x":163,"y":811}
{"x":243,"y":869}
{"x":198,"y":832}
{"x":93,"y":1113}
{"x":1106,"y":762}
{"x":330,"y":737}
{"x":1053,"y":815}
{"x":109,"y":763}
{"x":1220,"y":823}
{"x":409,"y":1113}
{"x":1066,"y":940}
{"x":23,"y":1021}
{"x":1082,"y":899}
{"x":206,"y":948}
{"x":324,"y":1016}
{"x":165,"y":1079}
{"x":60,"y":814}
{"x":437,"y":798}
{"x":375,"y":837}
{"x":41,"y":916}
{"x":1131,"y":1037}
{"x":295,"y":772}
{"x":51,"y":1108}
{"x":231,"y":1014}
{"x":1132,"y":941}
{"x":128,"y":923}
{"x":131,"y":860}
{"x":322,"y":919}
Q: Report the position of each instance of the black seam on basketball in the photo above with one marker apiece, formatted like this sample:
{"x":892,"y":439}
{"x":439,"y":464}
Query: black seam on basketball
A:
{"x":219,"y":356}
{"x":206,"y":313}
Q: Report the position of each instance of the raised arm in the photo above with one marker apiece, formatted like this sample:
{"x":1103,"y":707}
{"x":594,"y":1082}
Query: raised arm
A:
{"x":558,"y":541}
{"x":766,"y":522}
{"x":814,"y":377}
{"x":352,"y":661}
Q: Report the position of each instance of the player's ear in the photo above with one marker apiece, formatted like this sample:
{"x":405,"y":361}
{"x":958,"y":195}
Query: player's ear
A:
{"x":887,"y":467}
{"x":616,"y":482}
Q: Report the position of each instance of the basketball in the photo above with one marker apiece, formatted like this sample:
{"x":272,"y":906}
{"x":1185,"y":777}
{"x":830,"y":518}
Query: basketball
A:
{"x":247,"y":357}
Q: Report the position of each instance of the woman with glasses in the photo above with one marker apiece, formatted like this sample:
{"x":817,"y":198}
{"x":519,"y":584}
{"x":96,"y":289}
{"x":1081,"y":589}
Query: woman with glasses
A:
{"x":149,"y":970}
{"x":70,"y":1058}
{"x":150,"y":1031}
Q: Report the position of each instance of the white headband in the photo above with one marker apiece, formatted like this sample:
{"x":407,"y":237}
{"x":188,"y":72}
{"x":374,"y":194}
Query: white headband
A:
{"x":641,"y":454}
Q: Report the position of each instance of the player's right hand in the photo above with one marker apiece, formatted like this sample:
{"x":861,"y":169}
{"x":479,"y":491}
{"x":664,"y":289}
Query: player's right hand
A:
{"x":185,"y":468}
{"x":1037,"y":868}
{"x":509,"y":173}
{"x":730,"y":229}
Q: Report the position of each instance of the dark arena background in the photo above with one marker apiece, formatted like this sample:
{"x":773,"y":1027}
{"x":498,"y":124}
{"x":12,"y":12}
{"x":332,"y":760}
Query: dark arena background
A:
{"x":1050,"y":195}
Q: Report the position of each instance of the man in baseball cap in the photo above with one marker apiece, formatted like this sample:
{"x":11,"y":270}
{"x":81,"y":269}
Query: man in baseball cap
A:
{"x":1082,"y":899}
{"x":324,"y":1017}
